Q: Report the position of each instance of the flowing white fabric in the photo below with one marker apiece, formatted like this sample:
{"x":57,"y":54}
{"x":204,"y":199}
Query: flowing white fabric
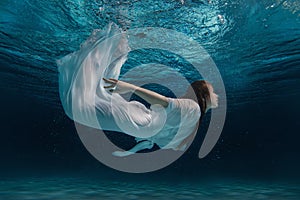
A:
{"x":86,"y":101}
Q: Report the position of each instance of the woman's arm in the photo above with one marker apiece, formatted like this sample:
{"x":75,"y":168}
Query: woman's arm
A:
{"x":148,"y":95}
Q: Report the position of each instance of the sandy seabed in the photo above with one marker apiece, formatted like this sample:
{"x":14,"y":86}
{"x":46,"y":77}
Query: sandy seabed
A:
{"x":85,"y":189}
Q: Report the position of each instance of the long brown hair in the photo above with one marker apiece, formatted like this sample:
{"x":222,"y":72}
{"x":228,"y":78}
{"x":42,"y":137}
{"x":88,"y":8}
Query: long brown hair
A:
{"x":199,"y":90}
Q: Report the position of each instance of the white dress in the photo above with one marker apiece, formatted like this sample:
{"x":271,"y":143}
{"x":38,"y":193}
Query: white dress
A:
{"x":182,"y":117}
{"x":86,"y":101}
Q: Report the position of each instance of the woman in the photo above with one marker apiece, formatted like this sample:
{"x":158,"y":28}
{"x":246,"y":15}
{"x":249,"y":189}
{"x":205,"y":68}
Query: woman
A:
{"x":92,"y":100}
{"x":183,"y":114}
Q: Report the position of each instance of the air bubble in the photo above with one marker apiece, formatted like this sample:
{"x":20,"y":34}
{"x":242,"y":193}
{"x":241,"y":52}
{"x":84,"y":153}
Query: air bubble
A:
{"x":221,"y":18}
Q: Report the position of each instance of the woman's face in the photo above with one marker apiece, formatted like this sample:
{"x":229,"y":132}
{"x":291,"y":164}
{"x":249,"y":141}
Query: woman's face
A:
{"x":213,"y":96}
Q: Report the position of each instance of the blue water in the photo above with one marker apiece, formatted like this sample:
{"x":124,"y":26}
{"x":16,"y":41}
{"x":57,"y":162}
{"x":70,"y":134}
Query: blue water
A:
{"x":254,"y":43}
{"x":256,"y":47}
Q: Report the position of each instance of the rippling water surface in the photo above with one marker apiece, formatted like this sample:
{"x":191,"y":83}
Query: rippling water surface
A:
{"x":255,"y":44}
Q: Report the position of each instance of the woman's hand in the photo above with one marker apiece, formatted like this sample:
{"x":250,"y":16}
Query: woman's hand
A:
{"x":121,"y":87}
